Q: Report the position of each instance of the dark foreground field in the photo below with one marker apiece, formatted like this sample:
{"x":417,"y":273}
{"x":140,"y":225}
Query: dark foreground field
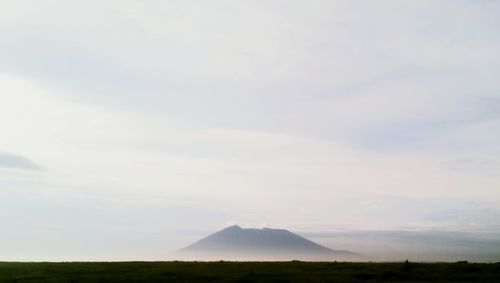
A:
{"x":248,"y":272}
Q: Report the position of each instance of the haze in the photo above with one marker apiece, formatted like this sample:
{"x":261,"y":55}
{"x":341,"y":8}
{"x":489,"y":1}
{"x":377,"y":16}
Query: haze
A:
{"x":129,"y":129}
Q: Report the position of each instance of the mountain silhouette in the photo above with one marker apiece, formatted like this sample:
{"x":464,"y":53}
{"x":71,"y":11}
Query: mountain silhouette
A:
{"x":236,"y":243}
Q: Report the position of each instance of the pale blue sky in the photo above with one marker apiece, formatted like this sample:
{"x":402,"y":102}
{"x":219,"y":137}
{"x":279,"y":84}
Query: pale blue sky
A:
{"x":147,"y":124}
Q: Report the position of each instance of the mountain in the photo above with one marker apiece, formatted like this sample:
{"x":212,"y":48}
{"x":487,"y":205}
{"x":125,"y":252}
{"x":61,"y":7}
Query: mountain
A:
{"x":236,"y":243}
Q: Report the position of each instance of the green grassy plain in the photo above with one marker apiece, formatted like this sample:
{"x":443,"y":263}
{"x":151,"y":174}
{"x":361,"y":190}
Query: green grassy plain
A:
{"x":247,"y":272}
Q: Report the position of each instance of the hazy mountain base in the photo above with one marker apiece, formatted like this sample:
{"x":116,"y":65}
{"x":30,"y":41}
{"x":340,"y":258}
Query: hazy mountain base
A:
{"x":247,"y":272}
{"x":260,"y":255}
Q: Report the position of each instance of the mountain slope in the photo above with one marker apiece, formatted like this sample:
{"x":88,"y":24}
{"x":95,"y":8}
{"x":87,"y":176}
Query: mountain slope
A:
{"x":261,"y":244}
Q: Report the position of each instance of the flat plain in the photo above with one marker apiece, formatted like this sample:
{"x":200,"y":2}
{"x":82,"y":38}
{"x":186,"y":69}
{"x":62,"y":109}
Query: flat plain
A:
{"x":294,"y":271}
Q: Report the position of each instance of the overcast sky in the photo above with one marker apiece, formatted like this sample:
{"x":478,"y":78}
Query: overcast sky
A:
{"x":131,"y":128}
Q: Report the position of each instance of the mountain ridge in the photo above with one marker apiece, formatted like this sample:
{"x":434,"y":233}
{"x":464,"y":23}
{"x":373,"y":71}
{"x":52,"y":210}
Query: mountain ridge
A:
{"x":234,"y":242}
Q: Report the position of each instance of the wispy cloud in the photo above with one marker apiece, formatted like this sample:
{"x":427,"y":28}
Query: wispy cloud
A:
{"x":14,"y":161}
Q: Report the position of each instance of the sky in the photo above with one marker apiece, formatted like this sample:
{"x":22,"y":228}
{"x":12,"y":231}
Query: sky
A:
{"x":132,"y":128}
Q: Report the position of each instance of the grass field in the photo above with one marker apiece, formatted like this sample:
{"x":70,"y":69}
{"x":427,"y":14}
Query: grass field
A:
{"x":248,"y":272}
